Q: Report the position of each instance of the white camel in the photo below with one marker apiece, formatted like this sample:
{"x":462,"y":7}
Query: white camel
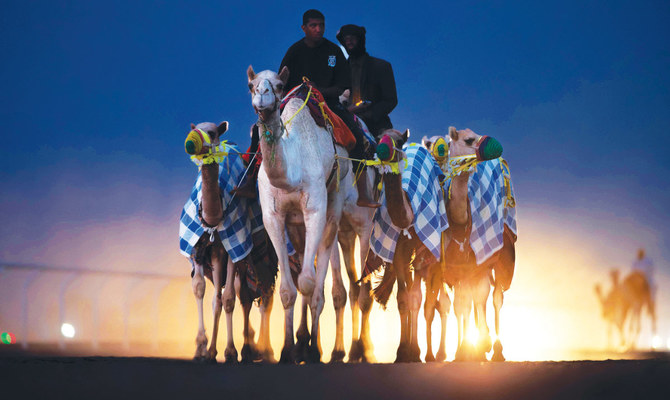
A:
{"x":298,"y":158}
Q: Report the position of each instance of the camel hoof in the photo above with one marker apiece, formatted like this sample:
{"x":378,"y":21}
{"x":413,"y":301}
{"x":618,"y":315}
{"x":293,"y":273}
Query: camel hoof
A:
{"x":441,"y":356}
{"x":314,"y":355}
{"x":429,"y":357}
{"x":287,"y":356}
{"x":497,"y":352}
{"x":249,"y":354}
{"x":415,"y":354}
{"x":402,"y":354}
{"x":337,"y":356}
{"x":355,"y":351}
{"x":306,"y":285}
{"x":231,"y":356}
{"x":269,"y":357}
{"x":368,"y":357}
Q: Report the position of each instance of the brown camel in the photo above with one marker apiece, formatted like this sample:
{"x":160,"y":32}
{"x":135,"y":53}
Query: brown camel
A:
{"x":251,"y":275}
{"x":624,"y":302}
{"x":411,"y":259}
{"x":472,"y":280}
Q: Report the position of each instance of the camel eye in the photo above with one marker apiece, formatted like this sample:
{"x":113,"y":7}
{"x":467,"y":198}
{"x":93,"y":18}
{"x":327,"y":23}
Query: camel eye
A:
{"x":469,"y":142}
{"x":280,"y":87}
{"x":251,"y":87}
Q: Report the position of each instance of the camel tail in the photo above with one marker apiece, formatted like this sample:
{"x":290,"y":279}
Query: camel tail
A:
{"x":382,"y":292}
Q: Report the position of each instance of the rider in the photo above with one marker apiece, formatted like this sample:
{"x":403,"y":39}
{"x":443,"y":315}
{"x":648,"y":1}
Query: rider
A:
{"x":373,"y":93}
{"x":644,"y":265}
{"x":323,"y":63}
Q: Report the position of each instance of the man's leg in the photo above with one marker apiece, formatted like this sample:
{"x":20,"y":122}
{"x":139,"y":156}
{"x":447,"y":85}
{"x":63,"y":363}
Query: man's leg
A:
{"x":365,"y":197}
{"x":248,"y":187}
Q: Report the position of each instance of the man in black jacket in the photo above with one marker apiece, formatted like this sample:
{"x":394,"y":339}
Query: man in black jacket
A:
{"x":373,"y":93}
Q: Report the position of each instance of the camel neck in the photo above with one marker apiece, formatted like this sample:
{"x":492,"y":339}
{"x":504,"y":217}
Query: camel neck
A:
{"x":211,"y":206}
{"x":397,"y":202}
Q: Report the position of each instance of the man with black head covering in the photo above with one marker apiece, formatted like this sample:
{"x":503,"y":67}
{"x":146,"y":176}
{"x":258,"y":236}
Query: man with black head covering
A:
{"x":373,"y":93}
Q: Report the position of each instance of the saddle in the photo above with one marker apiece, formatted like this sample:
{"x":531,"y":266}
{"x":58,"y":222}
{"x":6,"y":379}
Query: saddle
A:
{"x":322,"y":114}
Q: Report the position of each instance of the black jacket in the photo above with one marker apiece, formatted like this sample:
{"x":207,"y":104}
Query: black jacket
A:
{"x":378,"y":87}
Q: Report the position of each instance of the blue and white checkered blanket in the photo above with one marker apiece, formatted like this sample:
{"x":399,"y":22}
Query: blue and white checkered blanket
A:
{"x":241,"y":216}
{"x":421,"y":182}
{"x":490,"y":213}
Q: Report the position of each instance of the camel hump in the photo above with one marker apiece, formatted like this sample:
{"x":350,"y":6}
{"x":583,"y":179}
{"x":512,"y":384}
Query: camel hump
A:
{"x":637,"y":281}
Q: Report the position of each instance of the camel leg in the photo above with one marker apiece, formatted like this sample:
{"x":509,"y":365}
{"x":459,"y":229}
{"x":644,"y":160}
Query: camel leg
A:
{"x":365,"y":299}
{"x":302,"y":346}
{"x":365,"y":304}
{"x":264,"y":345}
{"x":339,"y":302}
{"x":315,"y":224}
{"x":443,"y":305}
{"x":497,"y":305}
{"x":249,"y":350}
{"x":415,"y":305}
{"x":217,"y":279}
{"x":429,"y":307}
{"x":229,"y":306}
{"x":402,"y":354}
{"x":318,"y":298}
{"x":274,"y":225}
{"x":462,"y":308}
{"x":199,"y":285}
{"x":481,"y":295}
{"x":347,"y":242}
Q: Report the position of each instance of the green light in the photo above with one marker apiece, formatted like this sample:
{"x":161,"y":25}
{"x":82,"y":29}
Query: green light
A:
{"x":7,"y":338}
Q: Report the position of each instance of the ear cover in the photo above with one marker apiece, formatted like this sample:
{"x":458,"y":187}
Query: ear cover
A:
{"x":440,"y":150}
{"x":489,"y":149}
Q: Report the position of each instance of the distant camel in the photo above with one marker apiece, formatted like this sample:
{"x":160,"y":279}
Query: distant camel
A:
{"x":624,"y":300}
{"x":226,"y":263}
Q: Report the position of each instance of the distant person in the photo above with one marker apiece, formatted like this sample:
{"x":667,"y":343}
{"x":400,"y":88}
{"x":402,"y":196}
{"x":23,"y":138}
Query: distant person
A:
{"x":372,"y":94}
{"x":323,"y":63}
{"x":644,"y":265}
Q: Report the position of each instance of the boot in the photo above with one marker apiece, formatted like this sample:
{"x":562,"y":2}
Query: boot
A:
{"x":248,"y":187}
{"x":364,"y":193}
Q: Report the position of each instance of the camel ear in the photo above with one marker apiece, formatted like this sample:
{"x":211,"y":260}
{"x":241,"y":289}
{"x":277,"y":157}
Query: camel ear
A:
{"x":453,"y":133}
{"x":192,"y":126}
{"x":406,"y":134}
{"x":250,"y":73}
{"x":426,"y":142}
{"x":222,"y":128}
{"x":283,"y":75}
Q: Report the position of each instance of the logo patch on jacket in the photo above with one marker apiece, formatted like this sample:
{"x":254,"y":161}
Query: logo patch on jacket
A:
{"x":331,"y":61}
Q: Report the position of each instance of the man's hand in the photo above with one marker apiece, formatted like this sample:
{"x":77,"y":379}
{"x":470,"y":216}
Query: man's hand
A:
{"x":359,"y":107}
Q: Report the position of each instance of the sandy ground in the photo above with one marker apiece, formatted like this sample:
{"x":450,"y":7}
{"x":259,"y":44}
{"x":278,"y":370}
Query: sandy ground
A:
{"x":30,"y":377}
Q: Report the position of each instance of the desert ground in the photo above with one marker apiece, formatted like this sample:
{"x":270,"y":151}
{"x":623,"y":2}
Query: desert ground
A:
{"x":39,"y":377}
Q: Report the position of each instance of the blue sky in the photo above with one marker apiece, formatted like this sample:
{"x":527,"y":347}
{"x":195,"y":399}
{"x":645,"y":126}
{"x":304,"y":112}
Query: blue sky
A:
{"x":98,"y":97}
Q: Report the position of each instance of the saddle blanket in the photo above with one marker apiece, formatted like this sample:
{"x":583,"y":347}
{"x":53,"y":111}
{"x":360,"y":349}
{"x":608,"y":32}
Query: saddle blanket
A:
{"x":341,"y":132}
{"x":241,"y":216}
{"x":491,"y":207}
{"x":421,"y":181}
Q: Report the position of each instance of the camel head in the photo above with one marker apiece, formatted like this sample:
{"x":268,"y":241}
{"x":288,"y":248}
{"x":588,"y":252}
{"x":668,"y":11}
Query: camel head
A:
{"x":266,"y":89}
{"x":465,"y":142}
{"x":438,"y":147}
{"x":203,"y":136}
{"x":391,"y":141}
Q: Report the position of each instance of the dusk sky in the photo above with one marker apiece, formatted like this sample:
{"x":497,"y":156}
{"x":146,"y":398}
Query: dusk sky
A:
{"x":97,"y":98}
